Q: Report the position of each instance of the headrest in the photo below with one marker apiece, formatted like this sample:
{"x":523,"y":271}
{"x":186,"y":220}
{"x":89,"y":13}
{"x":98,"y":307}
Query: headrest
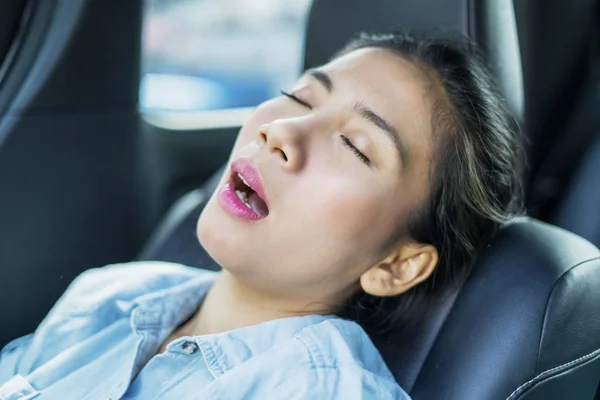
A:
{"x":556,"y":39}
{"x":530,"y":306}
{"x":489,"y":23}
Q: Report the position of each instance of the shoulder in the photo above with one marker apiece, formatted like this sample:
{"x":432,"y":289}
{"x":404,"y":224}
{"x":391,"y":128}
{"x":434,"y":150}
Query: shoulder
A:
{"x":336,"y":341}
{"x":290,"y":381}
{"x":98,"y":298}
{"x":341,"y":350}
{"x":333,"y":359}
{"x":123,"y":282}
{"x":10,"y":357}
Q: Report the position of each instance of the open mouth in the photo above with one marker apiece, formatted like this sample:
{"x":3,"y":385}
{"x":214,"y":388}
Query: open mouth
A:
{"x":247,"y":195}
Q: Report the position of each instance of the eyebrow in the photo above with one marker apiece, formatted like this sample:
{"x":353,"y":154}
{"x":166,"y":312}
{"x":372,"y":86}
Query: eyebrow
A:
{"x":368,"y":114}
{"x":323,"y":78}
{"x":384,"y":126}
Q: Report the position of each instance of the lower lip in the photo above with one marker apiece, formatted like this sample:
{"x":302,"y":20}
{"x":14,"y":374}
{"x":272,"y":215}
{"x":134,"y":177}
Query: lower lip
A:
{"x":233,"y":205}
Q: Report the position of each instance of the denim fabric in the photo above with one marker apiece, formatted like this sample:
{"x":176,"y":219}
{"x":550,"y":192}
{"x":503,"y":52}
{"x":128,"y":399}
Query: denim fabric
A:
{"x":101,"y":338}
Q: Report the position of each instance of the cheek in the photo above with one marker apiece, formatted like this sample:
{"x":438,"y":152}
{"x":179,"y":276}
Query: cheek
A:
{"x":350,"y":210}
{"x":360,"y":212}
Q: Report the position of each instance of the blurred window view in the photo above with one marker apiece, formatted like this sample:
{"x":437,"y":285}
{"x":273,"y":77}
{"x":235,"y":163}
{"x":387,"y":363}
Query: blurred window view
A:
{"x":219,"y":54}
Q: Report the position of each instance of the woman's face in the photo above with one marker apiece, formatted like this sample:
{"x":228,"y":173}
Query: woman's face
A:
{"x":342,"y":166}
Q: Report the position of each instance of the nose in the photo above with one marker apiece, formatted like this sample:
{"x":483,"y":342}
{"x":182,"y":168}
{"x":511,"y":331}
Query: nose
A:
{"x":284,"y":140}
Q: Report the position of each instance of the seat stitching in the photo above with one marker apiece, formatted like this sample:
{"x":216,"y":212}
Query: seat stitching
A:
{"x":554,"y":286}
{"x":551,"y":371}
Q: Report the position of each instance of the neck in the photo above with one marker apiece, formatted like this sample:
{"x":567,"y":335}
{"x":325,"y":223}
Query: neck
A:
{"x":230,"y":304}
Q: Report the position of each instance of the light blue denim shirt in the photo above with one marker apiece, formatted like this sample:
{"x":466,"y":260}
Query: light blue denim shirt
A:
{"x":101,"y":338}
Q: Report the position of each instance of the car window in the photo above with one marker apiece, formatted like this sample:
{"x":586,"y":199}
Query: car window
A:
{"x":203,"y":55}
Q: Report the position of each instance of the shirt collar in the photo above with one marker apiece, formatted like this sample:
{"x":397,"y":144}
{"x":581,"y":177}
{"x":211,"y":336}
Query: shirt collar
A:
{"x":224,"y":351}
{"x":168,"y":308}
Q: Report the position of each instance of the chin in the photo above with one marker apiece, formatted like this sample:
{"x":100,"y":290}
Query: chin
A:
{"x":218,"y":237}
{"x":233,"y":246}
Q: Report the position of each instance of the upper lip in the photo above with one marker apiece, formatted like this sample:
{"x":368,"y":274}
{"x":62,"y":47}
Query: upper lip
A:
{"x":251,"y":175}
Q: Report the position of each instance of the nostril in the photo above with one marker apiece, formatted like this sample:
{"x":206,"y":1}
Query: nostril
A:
{"x":262,"y":137}
{"x":283,"y":155}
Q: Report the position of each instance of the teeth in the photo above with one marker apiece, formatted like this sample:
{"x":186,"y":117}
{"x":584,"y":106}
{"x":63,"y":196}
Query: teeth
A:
{"x":243,"y":196}
{"x":243,"y":180}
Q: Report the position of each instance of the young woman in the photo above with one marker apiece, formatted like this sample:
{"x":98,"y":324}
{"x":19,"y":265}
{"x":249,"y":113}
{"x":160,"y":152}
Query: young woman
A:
{"x":349,"y":204}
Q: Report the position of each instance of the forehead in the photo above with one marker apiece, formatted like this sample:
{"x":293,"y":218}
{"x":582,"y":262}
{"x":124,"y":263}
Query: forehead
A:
{"x":398,"y":89}
{"x":381,"y":76}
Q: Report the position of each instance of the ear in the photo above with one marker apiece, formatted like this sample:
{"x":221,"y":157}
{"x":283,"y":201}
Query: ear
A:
{"x":408,"y":265}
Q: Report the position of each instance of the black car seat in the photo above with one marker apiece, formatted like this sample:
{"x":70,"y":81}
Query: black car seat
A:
{"x":525,"y":325}
{"x":577,"y":209}
{"x":68,"y":142}
{"x":10,"y":18}
{"x":561,"y":57}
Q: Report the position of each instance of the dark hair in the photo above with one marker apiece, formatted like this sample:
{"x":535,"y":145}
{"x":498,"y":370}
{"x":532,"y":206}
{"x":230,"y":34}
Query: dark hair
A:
{"x":476,"y":182}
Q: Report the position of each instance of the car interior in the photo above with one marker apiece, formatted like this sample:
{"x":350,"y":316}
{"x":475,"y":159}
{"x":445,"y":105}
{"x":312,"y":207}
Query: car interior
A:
{"x":88,"y":179}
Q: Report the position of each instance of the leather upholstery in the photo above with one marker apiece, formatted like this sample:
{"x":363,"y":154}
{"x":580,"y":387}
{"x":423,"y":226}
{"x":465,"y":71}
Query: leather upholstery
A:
{"x":579,"y":211}
{"x":556,"y":38}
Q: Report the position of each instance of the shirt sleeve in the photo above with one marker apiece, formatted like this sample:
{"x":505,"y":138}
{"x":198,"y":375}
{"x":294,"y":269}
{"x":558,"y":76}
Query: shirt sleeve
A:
{"x":11,"y":355}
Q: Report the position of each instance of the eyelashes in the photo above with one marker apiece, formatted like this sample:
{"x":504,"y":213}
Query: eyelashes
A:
{"x":345,"y":140}
{"x":296,"y":99}
{"x":356,"y":152}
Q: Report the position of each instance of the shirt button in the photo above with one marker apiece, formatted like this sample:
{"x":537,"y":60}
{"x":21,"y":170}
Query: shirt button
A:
{"x":189,"y":347}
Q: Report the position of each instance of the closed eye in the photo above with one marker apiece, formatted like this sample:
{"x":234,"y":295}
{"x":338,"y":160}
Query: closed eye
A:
{"x":356,"y":152}
{"x":345,"y":140}
{"x":296,"y":99}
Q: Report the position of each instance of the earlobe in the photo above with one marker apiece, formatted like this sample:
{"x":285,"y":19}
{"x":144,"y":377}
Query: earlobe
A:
{"x":408,"y":266}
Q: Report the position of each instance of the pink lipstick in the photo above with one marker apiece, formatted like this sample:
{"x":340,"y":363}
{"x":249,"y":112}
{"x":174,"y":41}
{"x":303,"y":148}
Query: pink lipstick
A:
{"x":243,"y":196}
